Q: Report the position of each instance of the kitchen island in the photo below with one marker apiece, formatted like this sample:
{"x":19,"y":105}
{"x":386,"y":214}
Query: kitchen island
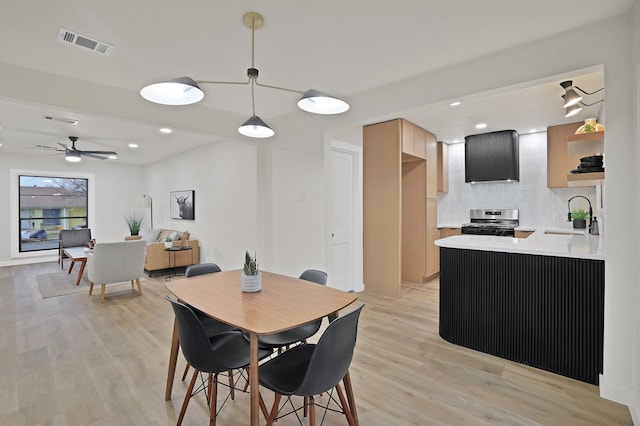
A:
{"x":538,"y":301}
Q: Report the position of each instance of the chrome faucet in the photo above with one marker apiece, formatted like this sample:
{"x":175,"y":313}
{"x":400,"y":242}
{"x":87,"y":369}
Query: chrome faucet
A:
{"x":590,"y":210}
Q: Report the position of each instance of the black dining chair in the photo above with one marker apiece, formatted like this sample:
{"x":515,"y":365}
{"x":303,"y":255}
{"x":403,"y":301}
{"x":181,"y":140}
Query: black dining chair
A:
{"x":209,"y":354}
{"x":211,"y":325}
{"x":312,"y":369}
{"x":303,"y":332}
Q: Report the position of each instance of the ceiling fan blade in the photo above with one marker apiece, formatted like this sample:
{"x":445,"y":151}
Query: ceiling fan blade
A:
{"x":64,"y":146}
{"x":96,"y":156}
{"x":100,"y":152}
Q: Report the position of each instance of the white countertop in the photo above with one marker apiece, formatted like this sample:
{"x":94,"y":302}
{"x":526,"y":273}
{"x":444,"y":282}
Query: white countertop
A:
{"x":544,"y":242}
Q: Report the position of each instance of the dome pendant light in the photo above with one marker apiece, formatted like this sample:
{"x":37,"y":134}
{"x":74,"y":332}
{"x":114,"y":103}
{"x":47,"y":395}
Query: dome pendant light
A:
{"x":185,"y":91}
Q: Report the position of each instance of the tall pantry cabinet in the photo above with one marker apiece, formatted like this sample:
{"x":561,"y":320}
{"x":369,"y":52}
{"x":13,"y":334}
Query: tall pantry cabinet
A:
{"x":400,"y":196}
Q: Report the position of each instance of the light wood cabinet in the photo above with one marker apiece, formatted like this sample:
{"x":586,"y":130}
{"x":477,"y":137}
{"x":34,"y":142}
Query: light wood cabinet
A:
{"x":449,"y":232}
{"x":432,"y":164}
{"x":564,"y":150}
{"x":443,"y":167}
{"x":559,"y":162}
{"x":523,"y":234}
{"x":433,"y":251}
{"x":399,"y":216}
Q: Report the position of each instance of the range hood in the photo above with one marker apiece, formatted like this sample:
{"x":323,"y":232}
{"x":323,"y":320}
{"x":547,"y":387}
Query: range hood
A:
{"x":491,"y":157}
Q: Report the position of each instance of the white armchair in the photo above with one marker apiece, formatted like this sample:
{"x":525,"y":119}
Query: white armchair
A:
{"x":116,"y":262}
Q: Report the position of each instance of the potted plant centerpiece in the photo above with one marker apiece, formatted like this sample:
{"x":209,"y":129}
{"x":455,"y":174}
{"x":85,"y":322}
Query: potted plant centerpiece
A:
{"x":134,"y":222}
{"x":251,"y":279}
{"x":168,"y":243}
{"x":579,"y":217}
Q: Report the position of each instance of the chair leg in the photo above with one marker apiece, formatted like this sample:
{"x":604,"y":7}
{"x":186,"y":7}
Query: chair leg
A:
{"x":274,"y":408}
{"x":305,"y":409}
{"x":102,"y":289}
{"x":345,"y":406}
{"x":231,"y":385}
{"x":187,"y":397}
{"x":90,"y":288}
{"x":139,"y":286}
{"x":213,"y":400}
{"x":186,"y":370}
{"x":131,"y":284}
{"x":312,"y":412}
{"x":263,"y":407}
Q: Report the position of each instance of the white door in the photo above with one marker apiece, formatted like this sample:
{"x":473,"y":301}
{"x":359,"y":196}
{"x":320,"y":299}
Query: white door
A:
{"x":344,"y":259}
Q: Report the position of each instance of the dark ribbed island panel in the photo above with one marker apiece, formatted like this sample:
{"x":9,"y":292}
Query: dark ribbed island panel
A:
{"x":542,"y":311}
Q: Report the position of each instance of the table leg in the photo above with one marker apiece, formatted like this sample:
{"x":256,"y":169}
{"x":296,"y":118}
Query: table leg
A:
{"x":82,"y":265}
{"x":73,"y":262}
{"x":253,"y":378}
{"x":173,"y":360}
{"x":350,"y":398}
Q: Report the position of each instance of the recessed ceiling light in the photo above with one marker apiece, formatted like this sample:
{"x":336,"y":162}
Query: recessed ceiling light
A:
{"x":133,"y":145}
{"x":456,"y":141}
{"x":532,"y":130}
{"x":481,"y":125}
{"x":165,"y":130}
{"x":112,"y":157}
{"x":456,"y":103}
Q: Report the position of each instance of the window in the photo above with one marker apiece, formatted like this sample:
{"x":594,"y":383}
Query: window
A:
{"x":46,"y":206}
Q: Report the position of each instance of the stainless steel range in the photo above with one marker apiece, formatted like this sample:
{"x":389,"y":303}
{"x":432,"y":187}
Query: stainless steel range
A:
{"x":500,"y":222}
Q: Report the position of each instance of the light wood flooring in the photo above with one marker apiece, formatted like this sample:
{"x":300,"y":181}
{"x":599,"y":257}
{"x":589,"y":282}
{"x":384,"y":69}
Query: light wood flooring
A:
{"x":69,"y":360}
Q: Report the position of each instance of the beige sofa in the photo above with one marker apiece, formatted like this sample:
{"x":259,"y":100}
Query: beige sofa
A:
{"x":157,"y":258}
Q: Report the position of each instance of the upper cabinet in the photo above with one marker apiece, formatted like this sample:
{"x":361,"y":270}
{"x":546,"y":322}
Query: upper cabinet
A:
{"x":564,"y":150}
{"x":443,"y":167}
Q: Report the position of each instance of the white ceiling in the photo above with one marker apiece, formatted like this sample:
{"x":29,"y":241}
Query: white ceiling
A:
{"x":342,"y":48}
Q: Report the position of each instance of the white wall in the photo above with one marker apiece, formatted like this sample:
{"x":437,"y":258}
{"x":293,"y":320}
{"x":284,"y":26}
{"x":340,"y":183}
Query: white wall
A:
{"x":539,"y":206}
{"x":117,"y":185}
{"x":224,"y":177}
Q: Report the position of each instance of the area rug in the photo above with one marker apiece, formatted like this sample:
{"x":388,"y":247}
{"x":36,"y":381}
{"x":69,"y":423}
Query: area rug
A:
{"x":61,"y":283}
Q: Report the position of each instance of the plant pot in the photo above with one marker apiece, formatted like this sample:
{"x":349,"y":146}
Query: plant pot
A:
{"x":251,"y":283}
{"x":134,"y":233}
{"x":168,"y":244}
{"x":579,"y":223}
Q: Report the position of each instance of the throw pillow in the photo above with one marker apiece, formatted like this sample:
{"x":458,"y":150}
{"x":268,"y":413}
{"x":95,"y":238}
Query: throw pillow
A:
{"x":150,"y":235}
{"x":186,"y":235}
{"x":174,"y":236}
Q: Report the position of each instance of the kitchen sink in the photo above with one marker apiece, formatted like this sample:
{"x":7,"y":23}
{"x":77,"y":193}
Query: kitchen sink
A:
{"x":564,"y":232}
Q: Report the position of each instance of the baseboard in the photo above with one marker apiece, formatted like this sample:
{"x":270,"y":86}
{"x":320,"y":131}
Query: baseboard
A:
{"x":613,"y":393}
{"x":28,"y":261}
{"x":634,"y":407}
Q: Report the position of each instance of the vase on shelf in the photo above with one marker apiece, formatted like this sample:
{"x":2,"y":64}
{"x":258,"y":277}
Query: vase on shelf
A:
{"x":589,"y":126}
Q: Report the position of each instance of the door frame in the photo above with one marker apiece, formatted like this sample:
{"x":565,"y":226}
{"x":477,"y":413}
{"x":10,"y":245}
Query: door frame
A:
{"x":357,"y":222}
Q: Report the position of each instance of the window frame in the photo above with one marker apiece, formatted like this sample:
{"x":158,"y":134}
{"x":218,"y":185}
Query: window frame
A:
{"x":15,"y":205}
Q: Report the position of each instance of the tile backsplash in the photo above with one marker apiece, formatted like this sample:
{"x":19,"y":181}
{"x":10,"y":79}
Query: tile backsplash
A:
{"x":539,"y":206}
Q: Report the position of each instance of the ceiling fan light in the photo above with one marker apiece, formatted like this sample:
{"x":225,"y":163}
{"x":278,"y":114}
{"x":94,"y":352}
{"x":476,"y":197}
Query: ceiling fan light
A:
{"x":572,"y":110}
{"x":254,"y":127}
{"x":72,"y":156}
{"x":179,"y":91}
{"x":317,"y":102}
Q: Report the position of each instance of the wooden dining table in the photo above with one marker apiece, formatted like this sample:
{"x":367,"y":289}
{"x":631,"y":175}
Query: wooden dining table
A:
{"x":283,"y":303}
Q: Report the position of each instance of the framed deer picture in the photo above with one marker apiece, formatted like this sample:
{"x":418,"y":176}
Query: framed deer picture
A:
{"x":182,"y":205}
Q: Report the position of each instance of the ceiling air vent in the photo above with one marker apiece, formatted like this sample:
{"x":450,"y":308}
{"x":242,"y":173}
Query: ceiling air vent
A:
{"x":71,"y":37}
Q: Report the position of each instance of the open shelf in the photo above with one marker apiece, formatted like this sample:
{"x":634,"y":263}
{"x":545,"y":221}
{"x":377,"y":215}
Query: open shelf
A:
{"x":585,"y":179}
{"x":586,"y":144}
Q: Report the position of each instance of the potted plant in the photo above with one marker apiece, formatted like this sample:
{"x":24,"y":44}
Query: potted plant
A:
{"x":251,"y":279}
{"x":168,"y":243}
{"x":579,"y":217}
{"x":134,"y":222}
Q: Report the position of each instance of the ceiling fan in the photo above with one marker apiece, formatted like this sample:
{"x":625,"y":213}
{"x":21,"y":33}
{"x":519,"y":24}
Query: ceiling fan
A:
{"x":74,"y":154}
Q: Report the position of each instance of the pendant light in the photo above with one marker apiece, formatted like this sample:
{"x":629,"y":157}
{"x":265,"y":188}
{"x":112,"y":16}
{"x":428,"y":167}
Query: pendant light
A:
{"x":185,"y":91}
